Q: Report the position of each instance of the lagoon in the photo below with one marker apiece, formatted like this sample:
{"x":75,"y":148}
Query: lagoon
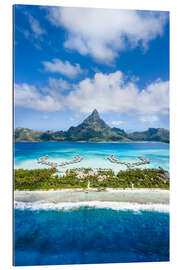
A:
{"x":94,"y":154}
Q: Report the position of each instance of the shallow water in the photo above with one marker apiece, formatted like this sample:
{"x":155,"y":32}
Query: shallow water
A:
{"x":94,"y":154}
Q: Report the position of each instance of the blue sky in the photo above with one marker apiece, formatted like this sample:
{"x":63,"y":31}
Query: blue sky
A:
{"x":69,"y":61}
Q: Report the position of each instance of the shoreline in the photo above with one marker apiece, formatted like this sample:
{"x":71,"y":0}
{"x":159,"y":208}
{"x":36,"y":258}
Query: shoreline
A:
{"x":129,"y":190}
{"x":58,"y":198}
{"x":93,"y":142}
{"x":66,"y":206}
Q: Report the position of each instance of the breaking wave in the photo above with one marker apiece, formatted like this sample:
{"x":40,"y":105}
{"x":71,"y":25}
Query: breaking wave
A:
{"x":123,"y":206}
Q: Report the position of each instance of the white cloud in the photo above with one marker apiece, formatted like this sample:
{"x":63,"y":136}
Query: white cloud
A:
{"x":112,"y":93}
{"x":58,"y":84}
{"x":149,"y":118}
{"x":104,"y":33}
{"x":117,"y":123}
{"x":35,"y":26}
{"x":35,"y":33}
{"x":65,"y":68}
{"x":29,"y":97}
{"x":155,"y":98}
{"x":105,"y":92}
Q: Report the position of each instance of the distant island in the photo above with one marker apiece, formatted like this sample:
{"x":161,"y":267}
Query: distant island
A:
{"x":92,"y":129}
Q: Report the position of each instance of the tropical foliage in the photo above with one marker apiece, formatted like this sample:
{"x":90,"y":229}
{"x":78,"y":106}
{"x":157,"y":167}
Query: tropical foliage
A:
{"x":45,"y":179}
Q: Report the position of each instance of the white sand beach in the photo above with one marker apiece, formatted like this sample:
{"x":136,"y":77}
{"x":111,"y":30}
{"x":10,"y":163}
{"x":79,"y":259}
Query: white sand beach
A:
{"x":141,"y":196}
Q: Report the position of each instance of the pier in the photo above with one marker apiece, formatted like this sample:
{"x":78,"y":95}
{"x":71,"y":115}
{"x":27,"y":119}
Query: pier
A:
{"x":43,"y":160}
{"x":142,"y":161}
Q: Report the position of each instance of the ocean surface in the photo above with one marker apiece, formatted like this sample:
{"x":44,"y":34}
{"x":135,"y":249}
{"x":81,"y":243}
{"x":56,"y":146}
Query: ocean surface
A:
{"x":90,"y":235}
{"x":94,"y":154}
{"x":59,"y":229}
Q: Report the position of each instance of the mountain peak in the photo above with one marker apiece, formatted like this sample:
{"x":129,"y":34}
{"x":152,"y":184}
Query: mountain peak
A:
{"x":93,"y":117}
{"x":95,"y":114}
{"x":95,"y":111}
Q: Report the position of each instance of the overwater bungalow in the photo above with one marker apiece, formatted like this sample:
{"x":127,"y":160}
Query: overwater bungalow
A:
{"x":42,"y":160}
{"x":128,"y":164}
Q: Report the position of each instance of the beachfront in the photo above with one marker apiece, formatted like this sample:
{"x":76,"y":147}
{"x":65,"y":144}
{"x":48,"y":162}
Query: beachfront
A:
{"x":146,"y":199}
{"x":139,"y":195}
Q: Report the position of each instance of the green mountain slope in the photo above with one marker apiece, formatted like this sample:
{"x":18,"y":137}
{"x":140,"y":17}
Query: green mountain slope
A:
{"x":152,"y":134}
{"x":26,"y":134}
{"x":92,"y":129}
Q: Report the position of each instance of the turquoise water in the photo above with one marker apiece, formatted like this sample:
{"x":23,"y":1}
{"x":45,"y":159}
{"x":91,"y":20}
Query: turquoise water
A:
{"x":94,"y":154}
{"x":48,"y":235}
{"x":90,"y":235}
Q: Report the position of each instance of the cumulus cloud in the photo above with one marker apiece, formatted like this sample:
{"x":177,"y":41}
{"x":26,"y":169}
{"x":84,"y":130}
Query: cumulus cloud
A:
{"x":28,"y":96}
{"x":105,"y":92}
{"x":111,"y":92}
{"x":104,"y":33}
{"x":65,"y":68}
{"x":58,"y":84}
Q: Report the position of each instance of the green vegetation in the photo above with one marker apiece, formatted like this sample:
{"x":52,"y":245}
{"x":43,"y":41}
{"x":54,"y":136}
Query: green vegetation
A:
{"x":152,"y":134}
{"x":35,"y":179}
{"x":146,"y":178}
{"x":45,"y":179}
{"x":26,"y":134}
{"x":92,"y":129}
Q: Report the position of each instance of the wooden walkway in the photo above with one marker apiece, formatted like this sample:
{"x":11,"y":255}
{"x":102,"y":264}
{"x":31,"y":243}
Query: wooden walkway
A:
{"x":43,"y":160}
{"x":128,"y":164}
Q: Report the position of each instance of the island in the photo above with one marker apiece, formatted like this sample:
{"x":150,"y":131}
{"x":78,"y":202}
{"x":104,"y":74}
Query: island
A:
{"x":92,"y":129}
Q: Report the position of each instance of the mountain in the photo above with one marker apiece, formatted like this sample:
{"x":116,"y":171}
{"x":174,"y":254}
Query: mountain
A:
{"x":152,"y":134}
{"x":26,"y":134}
{"x":92,"y":129}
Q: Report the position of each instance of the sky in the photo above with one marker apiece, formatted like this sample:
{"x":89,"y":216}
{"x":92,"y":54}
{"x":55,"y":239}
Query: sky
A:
{"x":70,"y":61}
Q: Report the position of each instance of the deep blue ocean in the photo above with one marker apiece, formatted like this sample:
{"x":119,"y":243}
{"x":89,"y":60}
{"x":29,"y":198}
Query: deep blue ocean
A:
{"x":90,"y":235}
{"x":83,"y":236}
